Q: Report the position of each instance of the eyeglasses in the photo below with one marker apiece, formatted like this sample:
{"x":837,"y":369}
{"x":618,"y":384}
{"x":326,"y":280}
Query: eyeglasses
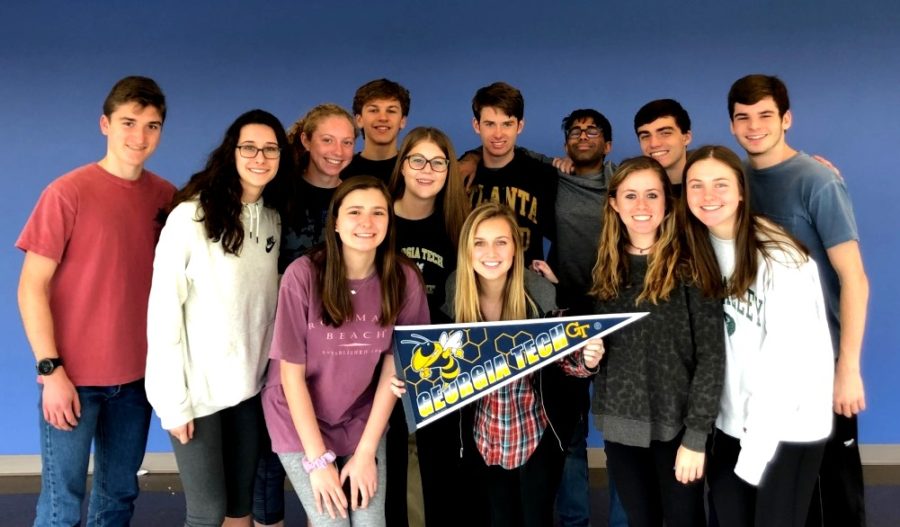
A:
{"x":592,"y":132}
{"x":438,"y":164}
{"x":250,"y":151}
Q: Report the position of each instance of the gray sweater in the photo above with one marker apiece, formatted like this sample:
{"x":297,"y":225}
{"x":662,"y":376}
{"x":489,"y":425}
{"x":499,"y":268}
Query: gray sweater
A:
{"x":579,"y":212}
{"x":664,"y":373}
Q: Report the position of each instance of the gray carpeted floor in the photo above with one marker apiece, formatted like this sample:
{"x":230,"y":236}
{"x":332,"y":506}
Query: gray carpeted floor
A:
{"x":159,"y":507}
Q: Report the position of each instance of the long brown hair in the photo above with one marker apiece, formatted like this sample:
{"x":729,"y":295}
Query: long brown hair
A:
{"x":516,"y":303}
{"x":218,"y":188}
{"x":664,"y":264}
{"x":332,"y":270}
{"x":451,"y":201}
{"x":754,"y":237}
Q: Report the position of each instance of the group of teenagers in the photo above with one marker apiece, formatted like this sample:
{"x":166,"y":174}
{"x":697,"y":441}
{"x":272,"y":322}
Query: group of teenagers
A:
{"x":253,"y":310}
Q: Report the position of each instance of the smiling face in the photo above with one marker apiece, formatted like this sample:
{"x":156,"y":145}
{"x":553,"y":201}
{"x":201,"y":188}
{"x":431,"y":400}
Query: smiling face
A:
{"x":664,"y":141}
{"x":133,"y":132}
{"x":584,"y":151}
{"x":381,"y":121}
{"x":424,"y":184}
{"x":759,"y":129}
{"x":498,"y":133}
{"x":493,"y":249}
{"x":362,"y":220}
{"x":330,"y":151}
{"x":257,"y":171}
{"x":640,"y":202}
{"x":714,"y":196}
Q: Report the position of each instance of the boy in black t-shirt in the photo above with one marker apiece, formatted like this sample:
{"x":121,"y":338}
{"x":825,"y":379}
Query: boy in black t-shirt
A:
{"x":380,"y":107}
{"x":525,"y":185}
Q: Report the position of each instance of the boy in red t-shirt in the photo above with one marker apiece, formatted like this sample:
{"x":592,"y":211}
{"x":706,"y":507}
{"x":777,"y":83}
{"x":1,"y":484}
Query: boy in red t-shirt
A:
{"x":83,"y":299}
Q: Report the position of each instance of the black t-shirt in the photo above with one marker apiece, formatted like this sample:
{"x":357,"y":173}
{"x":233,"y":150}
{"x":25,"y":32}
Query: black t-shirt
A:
{"x":361,"y":166}
{"x":303,"y":224}
{"x":528,"y":187}
{"x":426,"y":242}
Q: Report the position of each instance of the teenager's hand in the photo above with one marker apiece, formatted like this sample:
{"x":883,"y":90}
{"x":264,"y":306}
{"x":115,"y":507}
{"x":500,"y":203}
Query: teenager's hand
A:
{"x":363,"y":473}
{"x":689,"y":465}
{"x":183,"y":433}
{"x":849,"y":394}
{"x":543,"y":268}
{"x":592,"y":352}
{"x":828,"y":164}
{"x":398,"y":386}
{"x":327,"y":491}
{"x":468,"y":165}
{"x":564,"y":165}
{"x":59,"y":401}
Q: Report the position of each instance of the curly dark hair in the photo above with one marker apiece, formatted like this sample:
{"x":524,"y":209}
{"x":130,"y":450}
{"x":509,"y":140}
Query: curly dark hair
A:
{"x":218,"y":186}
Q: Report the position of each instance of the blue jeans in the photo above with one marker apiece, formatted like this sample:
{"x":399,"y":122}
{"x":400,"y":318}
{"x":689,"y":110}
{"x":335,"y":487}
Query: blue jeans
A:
{"x":573,"y":498}
{"x":116,"y":419}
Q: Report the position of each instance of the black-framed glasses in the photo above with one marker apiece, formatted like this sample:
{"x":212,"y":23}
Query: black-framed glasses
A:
{"x":418,"y":162}
{"x":592,"y":132}
{"x":250,"y":151}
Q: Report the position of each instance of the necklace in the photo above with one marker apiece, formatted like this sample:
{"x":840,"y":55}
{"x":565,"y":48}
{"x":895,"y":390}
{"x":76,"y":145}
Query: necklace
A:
{"x":641,"y":250}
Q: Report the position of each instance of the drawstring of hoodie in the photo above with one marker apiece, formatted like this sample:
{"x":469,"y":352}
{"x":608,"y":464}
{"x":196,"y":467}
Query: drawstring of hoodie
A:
{"x":540,"y":373}
{"x":253,"y":213}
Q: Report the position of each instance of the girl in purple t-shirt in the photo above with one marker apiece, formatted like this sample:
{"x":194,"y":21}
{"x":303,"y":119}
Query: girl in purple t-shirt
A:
{"x":327,"y":399}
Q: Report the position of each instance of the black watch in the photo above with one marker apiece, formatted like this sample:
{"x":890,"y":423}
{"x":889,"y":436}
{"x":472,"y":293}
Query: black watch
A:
{"x":46,"y":366}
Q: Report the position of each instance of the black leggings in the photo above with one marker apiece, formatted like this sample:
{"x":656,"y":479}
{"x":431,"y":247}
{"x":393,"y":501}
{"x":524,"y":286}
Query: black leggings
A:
{"x":783,"y":496}
{"x":645,"y":481}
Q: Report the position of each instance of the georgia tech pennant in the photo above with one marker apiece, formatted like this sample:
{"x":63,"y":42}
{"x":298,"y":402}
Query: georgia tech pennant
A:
{"x":448,"y":366}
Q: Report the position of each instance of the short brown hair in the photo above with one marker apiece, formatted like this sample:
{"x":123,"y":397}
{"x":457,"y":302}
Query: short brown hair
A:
{"x":754,"y":88}
{"x":502,"y":96}
{"x":381,"y":89}
{"x":142,"y":90}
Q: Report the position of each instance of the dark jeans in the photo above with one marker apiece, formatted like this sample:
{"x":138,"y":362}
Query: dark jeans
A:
{"x":116,"y":420}
{"x":838,"y":498}
{"x":524,"y":496}
{"x":218,"y":465}
{"x":573,"y":507}
{"x":783,"y":496}
{"x":645,"y":481}
{"x":268,"y":488}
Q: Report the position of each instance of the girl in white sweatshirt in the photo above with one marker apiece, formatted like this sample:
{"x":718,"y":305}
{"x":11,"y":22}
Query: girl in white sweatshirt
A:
{"x":775,"y":411}
{"x":210,"y":315}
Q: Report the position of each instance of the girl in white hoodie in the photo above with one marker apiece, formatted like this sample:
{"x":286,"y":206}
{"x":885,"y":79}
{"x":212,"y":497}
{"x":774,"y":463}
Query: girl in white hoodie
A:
{"x":775,"y":410}
{"x":210,"y":315}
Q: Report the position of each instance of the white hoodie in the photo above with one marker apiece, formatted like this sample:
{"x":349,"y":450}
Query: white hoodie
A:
{"x":210,"y":314}
{"x":779,"y":370}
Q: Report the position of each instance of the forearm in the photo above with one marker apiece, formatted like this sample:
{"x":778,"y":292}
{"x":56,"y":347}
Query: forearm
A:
{"x":382,"y":407}
{"x":34,"y":307}
{"x":303,"y":414}
{"x":854,"y":302}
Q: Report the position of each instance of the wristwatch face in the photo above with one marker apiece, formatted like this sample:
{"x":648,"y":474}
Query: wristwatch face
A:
{"x":46,"y":366}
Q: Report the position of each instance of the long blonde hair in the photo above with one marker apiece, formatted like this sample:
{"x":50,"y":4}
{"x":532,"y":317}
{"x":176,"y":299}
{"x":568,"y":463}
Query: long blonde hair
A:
{"x":664,"y":264}
{"x":516,"y":304}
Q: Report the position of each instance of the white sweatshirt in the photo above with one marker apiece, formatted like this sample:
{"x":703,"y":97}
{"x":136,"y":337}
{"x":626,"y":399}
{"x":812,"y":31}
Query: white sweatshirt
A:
{"x":779,"y":369}
{"x":210,"y":315}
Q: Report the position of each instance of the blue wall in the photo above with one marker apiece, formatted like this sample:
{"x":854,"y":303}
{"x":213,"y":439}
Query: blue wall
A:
{"x":216,"y":59}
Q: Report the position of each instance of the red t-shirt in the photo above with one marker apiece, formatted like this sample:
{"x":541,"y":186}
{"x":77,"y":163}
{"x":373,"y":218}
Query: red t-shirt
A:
{"x":102,"y":231}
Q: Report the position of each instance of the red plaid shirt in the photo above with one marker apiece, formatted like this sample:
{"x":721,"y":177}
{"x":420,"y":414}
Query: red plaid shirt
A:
{"x":510,"y":422}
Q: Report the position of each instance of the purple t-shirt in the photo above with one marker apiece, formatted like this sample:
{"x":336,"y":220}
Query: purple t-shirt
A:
{"x":341,"y":362}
